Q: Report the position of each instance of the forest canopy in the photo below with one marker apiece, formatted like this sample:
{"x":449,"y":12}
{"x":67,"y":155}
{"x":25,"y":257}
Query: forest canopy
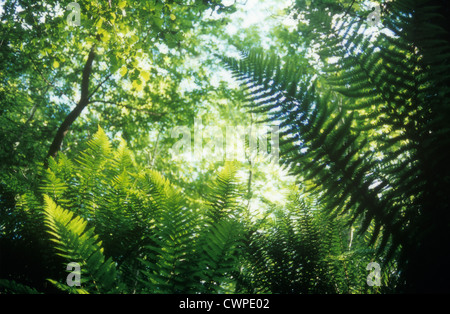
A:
{"x":221,"y":147}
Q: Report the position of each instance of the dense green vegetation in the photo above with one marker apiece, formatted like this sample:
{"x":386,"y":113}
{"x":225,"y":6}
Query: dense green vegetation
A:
{"x":115,"y":133}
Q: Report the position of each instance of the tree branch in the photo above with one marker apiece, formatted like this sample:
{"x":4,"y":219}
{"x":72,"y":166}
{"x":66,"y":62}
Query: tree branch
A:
{"x":99,"y":85}
{"x":48,"y":82}
{"x":73,"y":115}
{"x":348,"y":9}
{"x":145,"y":110}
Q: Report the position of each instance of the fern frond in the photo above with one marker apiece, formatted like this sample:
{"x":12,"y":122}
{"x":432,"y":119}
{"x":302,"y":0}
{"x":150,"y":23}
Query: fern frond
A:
{"x":386,"y":95}
{"x":80,"y":245}
{"x":12,"y":287}
{"x":99,"y":148}
{"x":223,"y":194}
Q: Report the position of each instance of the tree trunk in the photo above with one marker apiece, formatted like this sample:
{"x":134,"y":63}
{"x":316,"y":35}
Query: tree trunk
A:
{"x":74,"y":114}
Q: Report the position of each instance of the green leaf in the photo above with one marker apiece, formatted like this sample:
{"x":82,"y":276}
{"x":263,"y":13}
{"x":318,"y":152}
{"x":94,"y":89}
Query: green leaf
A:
{"x":122,"y":4}
{"x":145,"y":75}
{"x":123,"y":71}
{"x":79,"y":245}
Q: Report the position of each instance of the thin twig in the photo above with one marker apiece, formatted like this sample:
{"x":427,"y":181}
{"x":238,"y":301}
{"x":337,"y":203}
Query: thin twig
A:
{"x":156,"y":148}
{"x":348,"y":9}
{"x":150,"y":112}
{"x":50,"y":83}
{"x":99,"y":85}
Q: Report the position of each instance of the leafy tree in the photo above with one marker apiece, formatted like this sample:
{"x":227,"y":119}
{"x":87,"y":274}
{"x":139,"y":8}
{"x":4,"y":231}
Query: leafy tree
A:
{"x":55,"y":71}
